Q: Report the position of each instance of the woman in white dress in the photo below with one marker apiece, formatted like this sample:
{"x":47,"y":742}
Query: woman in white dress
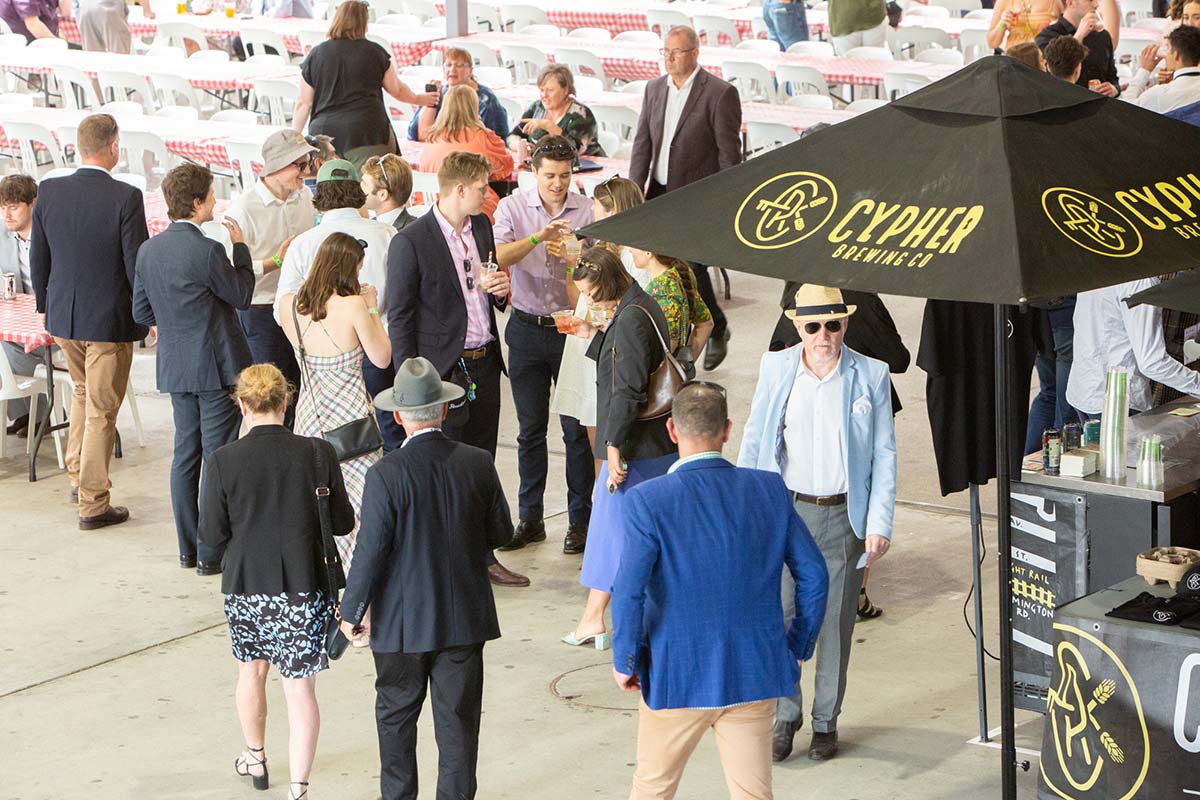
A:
{"x":104,"y":27}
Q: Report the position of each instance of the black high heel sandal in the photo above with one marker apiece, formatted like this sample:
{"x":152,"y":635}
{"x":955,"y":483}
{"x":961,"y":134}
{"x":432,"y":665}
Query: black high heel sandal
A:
{"x":261,"y":782}
{"x":302,"y":795}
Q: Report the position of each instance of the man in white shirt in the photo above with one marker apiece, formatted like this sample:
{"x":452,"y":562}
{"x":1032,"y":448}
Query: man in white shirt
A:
{"x":822,"y":417}
{"x":341,"y":200}
{"x":1108,"y":333}
{"x":17,"y":196}
{"x":1183,"y":60}
{"x":690,"y":128}
{"x":271,"y":214}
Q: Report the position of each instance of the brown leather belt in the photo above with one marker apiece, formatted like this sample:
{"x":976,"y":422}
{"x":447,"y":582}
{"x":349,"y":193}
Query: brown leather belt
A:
{"x":827,"y":500}
{"x":477,"y":353}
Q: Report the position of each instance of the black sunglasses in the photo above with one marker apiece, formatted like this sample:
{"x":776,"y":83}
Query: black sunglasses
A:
{"x":467,"y":269}
{"x":567,"y":150}
{"x":831,"y":325}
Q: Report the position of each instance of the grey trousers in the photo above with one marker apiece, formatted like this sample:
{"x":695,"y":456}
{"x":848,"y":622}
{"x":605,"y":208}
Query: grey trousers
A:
{"x":23,"y":364}
{"x":830,"y":527}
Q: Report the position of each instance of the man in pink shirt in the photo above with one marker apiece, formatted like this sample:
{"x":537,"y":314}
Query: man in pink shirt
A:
{"x":442,"y":295}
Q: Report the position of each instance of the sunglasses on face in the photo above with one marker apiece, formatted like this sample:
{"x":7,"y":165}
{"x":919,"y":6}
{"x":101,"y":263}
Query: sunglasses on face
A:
{"x":831,"y":325}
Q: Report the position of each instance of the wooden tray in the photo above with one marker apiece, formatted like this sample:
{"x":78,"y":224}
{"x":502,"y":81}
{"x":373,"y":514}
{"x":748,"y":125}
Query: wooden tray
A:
{"x":1166,"y":564}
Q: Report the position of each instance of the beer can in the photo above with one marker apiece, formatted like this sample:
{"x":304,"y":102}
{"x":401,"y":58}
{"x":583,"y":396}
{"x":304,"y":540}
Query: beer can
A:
{"x":1072,"y":435}
{"x":1051,"y":451}
{"x":1091,"y":432}
{"x":10,"y":285}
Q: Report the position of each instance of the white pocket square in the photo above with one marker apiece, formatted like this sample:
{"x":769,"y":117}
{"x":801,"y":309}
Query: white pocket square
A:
{"x":861,"y":406}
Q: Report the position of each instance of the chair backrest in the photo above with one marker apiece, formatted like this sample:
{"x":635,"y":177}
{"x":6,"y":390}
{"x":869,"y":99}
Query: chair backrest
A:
{"x":19,"y":100}
{"x":871,"y":53}
{"x":494,"y":76}
{"x":620,"y":120}
{"x":512,"y":108}
{"x":518,"y":16}
{"x":177,"y":33}
{"x":125,"y":107}
{"x":122,"y":84}
{"x":269,"y":59}
{"x":664,"y":19}
{"x":178,"y":112}
{"x":866,"y":104}
{"x":138,"y":181}
{"x":310,"y":39}
{"x":716,"y":31}
{"x":425,"y":9}
{"x":138,"y":143}
{"x":385,"y":8}
{"x":410,"y":21}
{"x":27,"y":136}
{"x":913,"y":39}
{"x":279,"y":96}
{"x":435,"y":24}
{"x":588,"y":86}
{"x":166,"y":51}
{"x":591,"y":34}
{"x":243,"y":156}
{"x":822,"y":102}
{"x":639,"y":37}
{"x":171,"y":88}
{"x":635,"y":87}
{"x":940,"y":55}
{"x":609,"y":142}
{"x":760,"y":45}
{"x":262,"y":38}
{"x":238,"y":116}
{"x":49,"y":44}
{"x":484,"y":55}
{"x":426,"y":185}
{"x":581,"y":62}
{"x":210,"y":55}
{"x":897,"y":83}
{"x":811,"y":48}
{"x":78,"y":91}
{"x":12,"y":40}
{"x":68,"y":137}
{"x":972,"y":43}
{"x":526,"y":61}
{"x":752,"y":79}
{"x":484,"y":18}
{"x":766,"y":135}
{"x":801,"y":79}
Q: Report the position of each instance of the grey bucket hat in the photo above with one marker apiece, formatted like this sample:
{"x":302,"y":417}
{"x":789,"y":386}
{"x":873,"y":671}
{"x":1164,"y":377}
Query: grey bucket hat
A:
{"x":417,"y":386}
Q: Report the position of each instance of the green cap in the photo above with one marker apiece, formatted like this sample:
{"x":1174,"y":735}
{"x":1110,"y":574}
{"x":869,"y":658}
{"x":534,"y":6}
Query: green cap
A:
{"x":337,"y":170}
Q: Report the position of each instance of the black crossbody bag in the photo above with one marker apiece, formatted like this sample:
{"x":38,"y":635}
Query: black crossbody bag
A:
{"x":335,"y":641}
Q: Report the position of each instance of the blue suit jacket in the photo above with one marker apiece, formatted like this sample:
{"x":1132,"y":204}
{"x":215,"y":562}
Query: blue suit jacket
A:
{"x":185,"y":284}
{"x":868,"y":433}
{"x":695,"y":604}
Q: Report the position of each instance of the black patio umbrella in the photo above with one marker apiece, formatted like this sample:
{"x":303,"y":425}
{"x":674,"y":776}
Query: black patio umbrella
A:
{"x":998,"y":184}
{"x":1181,"y":293}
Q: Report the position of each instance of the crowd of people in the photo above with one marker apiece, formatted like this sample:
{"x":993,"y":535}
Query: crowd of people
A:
{"x":336,"y":374}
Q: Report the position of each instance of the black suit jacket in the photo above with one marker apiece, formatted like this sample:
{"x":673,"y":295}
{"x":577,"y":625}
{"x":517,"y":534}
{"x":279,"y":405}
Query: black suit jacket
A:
{"x":427,"y":313}
{"x":625,"y":355}
{"x":185,"y":284}
{"x":87,"y":228}
{"x":258,"y":504}
{"x":431,"y":512}
{"x":707,"y":139}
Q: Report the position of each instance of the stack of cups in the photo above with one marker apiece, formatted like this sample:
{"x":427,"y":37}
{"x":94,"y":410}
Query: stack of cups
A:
{"x":1112,"y":425}
{"x":1150,"y":463}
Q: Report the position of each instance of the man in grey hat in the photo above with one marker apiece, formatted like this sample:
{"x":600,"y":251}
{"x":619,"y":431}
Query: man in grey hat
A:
{"x":432,"y":512}
{"x":271,"y":214}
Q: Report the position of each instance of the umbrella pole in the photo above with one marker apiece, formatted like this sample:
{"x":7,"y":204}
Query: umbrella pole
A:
{"x":1008,"y":749}
{"x":977,"y":582}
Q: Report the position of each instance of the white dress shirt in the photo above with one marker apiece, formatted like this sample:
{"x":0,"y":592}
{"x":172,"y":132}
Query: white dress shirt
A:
{"x":812,"y":433}
{"x":266,"y":223}
{"x":298,"y":261}
{"x":676,"y":100}
{"x":1108,"y":333}
{"x":1184,"y":89}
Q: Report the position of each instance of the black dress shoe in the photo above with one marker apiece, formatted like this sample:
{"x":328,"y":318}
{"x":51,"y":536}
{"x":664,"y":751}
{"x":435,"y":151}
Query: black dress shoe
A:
{"x":575,"y":540}
{"x":781,"y":740}
{"x":716,"y":350}
{"x":208,"y":567}
{"x":187,"y":562}
{"x":824,"y":746}
{"x":115,"y":515}
{"x":18,"y":426}
{"x":527,"y":532}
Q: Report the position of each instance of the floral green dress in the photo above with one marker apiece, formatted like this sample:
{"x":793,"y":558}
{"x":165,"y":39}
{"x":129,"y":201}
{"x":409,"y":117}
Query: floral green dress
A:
{"x":577,"y":124}
{"x":680,"y":304}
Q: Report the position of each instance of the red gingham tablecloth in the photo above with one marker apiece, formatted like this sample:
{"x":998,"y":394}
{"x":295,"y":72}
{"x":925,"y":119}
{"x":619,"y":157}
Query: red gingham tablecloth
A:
{"x":21,"y":323}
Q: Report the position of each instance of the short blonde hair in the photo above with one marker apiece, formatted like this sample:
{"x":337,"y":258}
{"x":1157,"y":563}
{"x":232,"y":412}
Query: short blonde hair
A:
{"x":462,"y":167}
{"x":96,"y":134}
{"x":459,"y":113}
{"x":392,"y":173}
{"x":262,"y":388}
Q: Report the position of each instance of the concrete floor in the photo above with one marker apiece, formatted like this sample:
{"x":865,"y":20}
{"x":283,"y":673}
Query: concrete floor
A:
{"x":116,"y":679}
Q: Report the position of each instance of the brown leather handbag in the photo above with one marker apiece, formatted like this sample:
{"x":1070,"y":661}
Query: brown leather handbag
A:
{"x":665,"y":382}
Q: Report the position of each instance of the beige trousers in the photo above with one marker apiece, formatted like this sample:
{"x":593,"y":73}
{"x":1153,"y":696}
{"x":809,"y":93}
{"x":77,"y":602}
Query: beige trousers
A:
{"x":100,"y":371}
{"x":667,"y":738}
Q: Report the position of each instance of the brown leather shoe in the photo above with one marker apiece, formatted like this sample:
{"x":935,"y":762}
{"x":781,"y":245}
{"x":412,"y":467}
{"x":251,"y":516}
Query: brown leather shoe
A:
{"x":115,"y":515}
{"x":500,"y":575}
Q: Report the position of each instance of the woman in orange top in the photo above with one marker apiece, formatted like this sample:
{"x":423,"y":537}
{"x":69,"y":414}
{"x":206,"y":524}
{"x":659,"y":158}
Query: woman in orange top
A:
{"x":459,"y":127}
{"x":1022,"y":20}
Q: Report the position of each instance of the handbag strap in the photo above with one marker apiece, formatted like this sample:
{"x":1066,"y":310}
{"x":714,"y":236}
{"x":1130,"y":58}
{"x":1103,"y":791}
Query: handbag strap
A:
{"x":667,"y":354}
{"x":328,"y":548}
{"x":304,"y":367}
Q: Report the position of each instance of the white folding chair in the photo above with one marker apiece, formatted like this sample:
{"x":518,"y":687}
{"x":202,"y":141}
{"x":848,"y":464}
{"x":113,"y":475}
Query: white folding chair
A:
{"x":435,"y":24}
{"x":137,"y":144}
{"x":897,"y":83}
{"x":821,"y":102}
{"x":177,"y":34}
{"x":621,"y":120}
{"x":591,"y":34}
{"x":129,"y":108}
{"x":185,"y":113}
{"x":24,"y":135}
{"x":581,"y":62}
{"x":973,"y":45}
{"x":515,"y":17}
{"x":588,"y":86}
{"x":871,"y":53}
{"x":409,"y":21}
{"x":526,"y":61}
{"x":665,"y":19}
{"x":424,"y":9}
{"x":262,"y":38}
{"x":425,"y":184}
{"x":210,"y":55}
{"x":174,"y":91}
{"x":549,"y":31}
{"x":166,"y":51}
{"x":635,"y":87}
{"x":277,"y":98}
{"x":494,"y":76}
{"x":610,"y":143}
{"x":866,"y":104}
{"x":759,"y":45}
{"x":121,"y":85}
{"x":31,"y":388}
{"x":484,"y":18}
{"x":649,"y":38}
{"x":483,"y":54}
{"x":78,"y":91}
{"x":68,"y":142}
{"x":716,"y":31}
{"x":800,"y":79}
{"x":913,"y":39}
{"x":384,"y":8}
{"x":753,"y":81}
{"x":48,"y":44}
{"x":939,"y":55}
{"x":379,"y":40}
{"x":242,"y":156}
{"x":761,"y":136}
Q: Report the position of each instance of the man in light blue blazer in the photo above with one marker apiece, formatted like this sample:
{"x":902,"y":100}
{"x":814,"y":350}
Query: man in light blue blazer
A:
{"x":822,"y":418}
{"x":698,"y":628}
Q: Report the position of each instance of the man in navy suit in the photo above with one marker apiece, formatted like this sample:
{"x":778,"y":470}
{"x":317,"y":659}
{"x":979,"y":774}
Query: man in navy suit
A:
{"x":87,"y":228}
{"x":699,"y":628}
{"x":186,"y":285}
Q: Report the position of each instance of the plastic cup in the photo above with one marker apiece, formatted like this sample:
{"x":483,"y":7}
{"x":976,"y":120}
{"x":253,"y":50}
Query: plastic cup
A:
{"x":230,"y":10}
{"x":565,"y":321}
{"x":181,"y":8}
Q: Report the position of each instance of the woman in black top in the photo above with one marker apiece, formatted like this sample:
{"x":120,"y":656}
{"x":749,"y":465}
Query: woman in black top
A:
{"x":259,"y":507}
{"x":340,"y":89}
{"x":626,"y":353}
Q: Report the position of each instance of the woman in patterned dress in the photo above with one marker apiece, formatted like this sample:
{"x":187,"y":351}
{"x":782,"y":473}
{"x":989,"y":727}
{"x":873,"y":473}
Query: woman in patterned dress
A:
{"x":673,"y":286}
{"x":338,"y":320}
{"x":258,"y":507}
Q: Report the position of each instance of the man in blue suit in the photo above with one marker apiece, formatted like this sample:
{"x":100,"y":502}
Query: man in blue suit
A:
{"x":822,"y":418}
{"x":698,"y":627}
{"x":185,"y":284}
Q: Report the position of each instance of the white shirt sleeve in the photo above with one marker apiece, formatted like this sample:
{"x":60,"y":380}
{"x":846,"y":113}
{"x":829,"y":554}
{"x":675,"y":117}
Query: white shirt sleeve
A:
{"x":1143,"y":326}
{"x":1140,"y":82}
{"x":291,"y":276}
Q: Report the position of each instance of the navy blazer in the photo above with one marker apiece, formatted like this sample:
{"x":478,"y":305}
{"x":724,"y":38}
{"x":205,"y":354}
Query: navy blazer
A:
{"x":427,"y":313}
{"x":185,"y":284}
{"x":87,"y":228}
{"x":432,"y":511}
{"x":695,"y":604}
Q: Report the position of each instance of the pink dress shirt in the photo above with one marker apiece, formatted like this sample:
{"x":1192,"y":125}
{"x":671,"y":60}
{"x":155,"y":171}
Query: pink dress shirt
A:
{"x":463,"y":249}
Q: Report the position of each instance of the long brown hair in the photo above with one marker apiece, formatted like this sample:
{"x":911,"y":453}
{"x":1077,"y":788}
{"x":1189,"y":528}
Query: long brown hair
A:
{"x":350,"y":21}
{"x":334,"y":272}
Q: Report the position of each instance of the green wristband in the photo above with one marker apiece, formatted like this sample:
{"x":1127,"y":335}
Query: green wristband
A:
{"x":278,"y":261}
{"x":533,"y":239}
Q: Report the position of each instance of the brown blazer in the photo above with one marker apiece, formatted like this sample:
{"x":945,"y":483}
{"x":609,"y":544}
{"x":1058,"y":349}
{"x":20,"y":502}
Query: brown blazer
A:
{"x":707,"y":140}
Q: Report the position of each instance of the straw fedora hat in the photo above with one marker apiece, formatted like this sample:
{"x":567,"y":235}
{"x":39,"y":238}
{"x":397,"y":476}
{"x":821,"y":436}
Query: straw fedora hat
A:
{"x":817,"y":303}
{"x":417,"y":386}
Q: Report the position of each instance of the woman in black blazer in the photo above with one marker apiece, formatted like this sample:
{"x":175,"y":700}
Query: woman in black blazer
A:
{"x":259,"y":507}
{"x":626,"y":352}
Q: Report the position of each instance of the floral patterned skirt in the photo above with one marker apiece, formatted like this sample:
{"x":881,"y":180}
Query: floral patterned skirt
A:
{"x":287,"y":630}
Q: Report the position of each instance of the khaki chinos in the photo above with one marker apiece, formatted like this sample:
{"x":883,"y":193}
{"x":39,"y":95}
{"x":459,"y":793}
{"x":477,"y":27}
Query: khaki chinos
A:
{"x":100,"y":372}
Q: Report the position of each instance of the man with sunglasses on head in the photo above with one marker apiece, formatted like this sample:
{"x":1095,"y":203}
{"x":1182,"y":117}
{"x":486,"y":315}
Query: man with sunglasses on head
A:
{"x":271,"y":215}
{"x":531,"y":231}
{"x":690,"y":127}
{"x":822,"y":418}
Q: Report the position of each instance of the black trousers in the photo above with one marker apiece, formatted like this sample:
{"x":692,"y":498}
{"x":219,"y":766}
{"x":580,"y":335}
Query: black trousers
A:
{"x":703,"y":281}
{"x":204,"y":422}
{"x":377,"y":380}
{"x":455,"y":679}
{"x":269,"y":345}
{"x":479,"y":426}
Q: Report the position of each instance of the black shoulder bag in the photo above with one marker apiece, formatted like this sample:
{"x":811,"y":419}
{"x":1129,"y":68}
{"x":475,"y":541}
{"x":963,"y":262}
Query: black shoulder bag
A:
{"x":358,"y":436}
{"x":335,"y":641}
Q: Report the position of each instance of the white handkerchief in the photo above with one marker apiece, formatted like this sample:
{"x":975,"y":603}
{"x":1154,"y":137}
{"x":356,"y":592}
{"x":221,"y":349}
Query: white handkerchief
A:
{"x":861,"y":406}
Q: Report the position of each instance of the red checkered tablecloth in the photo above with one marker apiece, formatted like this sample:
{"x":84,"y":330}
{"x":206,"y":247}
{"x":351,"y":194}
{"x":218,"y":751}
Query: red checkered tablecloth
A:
{"x":21,"y":323}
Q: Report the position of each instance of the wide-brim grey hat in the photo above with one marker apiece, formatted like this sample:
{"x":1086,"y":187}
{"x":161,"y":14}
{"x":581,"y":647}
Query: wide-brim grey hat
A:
{"x":282,"y":148}
{"x":418,"y":385}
